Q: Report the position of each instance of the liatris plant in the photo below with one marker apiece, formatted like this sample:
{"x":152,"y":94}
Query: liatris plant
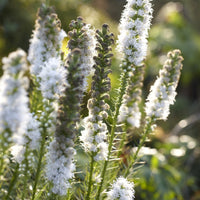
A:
{"x":45,"y":134}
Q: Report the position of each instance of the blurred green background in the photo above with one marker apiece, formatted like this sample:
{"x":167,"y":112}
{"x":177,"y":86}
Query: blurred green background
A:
{"x":173,"y":170}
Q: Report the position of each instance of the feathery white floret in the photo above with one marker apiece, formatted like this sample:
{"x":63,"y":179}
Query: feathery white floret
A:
{"x":14,"y":112}
{"x":13,"y":104}
{"x":53,"y":79}
{"x":15,"y":63}
{"x":134,"y":25}
{"x":46,"y":40}
{"x":88,"y":52}
{"x":33,"y":132}
{"x":130,"y":114}
{"x":132,"y":44}
{"x":60,"y":167}
{"x":45,"y":54}
{"x":122,"y":189}
{"x":42,"y":48}
{"x":129,"y":111}
{"x":163,"y":92}
{"x":93,"y":137}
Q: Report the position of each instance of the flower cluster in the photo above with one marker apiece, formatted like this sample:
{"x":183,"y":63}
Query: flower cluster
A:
{"x":79,"y":63}
{"x":33,"y":134}
{"x":45,"y":54}
{"x":129,"y":111}
{"x":134,"y":26}
{"x":53,"y":78}
{"x":60,"y":157}
{"x":82,"y":36}
{"x":122,"y":190}
{"x":95,"y":130}
{"x":163,"y":92}
{"x":132,"y":41}
{"x":29,"y":140}
{"x":14,"y":112}
{"x":60,"y":167}
{"x":46,"y":40}
{"x":42,"y":129}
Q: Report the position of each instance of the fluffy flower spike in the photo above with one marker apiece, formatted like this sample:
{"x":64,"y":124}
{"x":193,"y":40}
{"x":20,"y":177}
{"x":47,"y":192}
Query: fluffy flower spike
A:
{"x":46,"y":40}
{"x":132,"y":44}
{"x":60,"y":163}
{"x":94,"y":135}
{"x":60,"y":157}
{"x":45,"y":54}
{"x":86,"y":44}
{"x":14,"y":102}
{"x":163,"y":92}
{"x":134,"y":25}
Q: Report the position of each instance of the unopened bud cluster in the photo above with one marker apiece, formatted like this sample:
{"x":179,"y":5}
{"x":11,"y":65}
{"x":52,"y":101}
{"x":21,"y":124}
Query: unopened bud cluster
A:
{"x":95,"y":131}
{"x":82,"y":36}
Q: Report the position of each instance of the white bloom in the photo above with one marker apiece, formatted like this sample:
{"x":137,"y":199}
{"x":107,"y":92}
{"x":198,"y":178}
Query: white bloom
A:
{"x":132,"y":42}
{"x":89,"y":48}
{"x":33,"y":132}
{"x":102,"y":151}
{"x":129,"y":110}
{"x":123,"y":113}
{"x":14,"y":102}
{"x":87,"y":53}
{"x":158,"y":102}
{"x":46,"y":40}
{"x":60,"y":158}
{"x":60,"y":167}
{"x":163,"y":92}
{"x":18,"y":152}
{"x":53,"y":78}
{"x":15,"y":63}
{"x":93,"y":137}
{"x":134,"y":115}
{"x":122,"y":190}
{"x":45,"y":54}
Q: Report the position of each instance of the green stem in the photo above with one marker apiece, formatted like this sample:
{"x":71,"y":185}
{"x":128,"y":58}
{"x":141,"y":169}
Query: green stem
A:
{"x":13,"y":181}
{"x":41,"y":154}
{"x":4,"y":149}
{"x":68,"y":195}
{"x":147,"y":130}
{"x":2,"y":162}
{"x":53,"y":196}
{"x":112,"y":133}
{"x":25,"y":174}
{"x":90,"y":176}
{"x":121,"y":144}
